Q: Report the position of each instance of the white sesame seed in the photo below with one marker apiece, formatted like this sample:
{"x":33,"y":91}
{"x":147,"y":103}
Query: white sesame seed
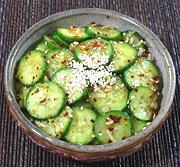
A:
{"x":100,"y":134}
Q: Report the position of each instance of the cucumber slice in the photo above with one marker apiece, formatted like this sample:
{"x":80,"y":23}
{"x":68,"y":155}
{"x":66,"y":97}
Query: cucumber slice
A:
{"x":83,"y":103}
{"x":93,"y":53}
{"x":112,"y":97}
{"x":51,"y":43}
{"x":95,"y":142}
{"x":42,"y":47}
{"x":124,"y":56}
{"x":45,"y":100}
{"x":75,"y":87}
{"x":134,"y":39}
{"x":58,"y":40}
{"x":142,"y":73}
{"x":56,"y":59}
{"x":22,"y":92}
{"x":31,"y":68}
{"x":58,"y":126}
{"x":72,"y":34}
{"x":81,"y":129}
{"x":112,"y":127}
{"x":143,"y":103}
{"x":138,"y":125}
{"x":105,"y":32}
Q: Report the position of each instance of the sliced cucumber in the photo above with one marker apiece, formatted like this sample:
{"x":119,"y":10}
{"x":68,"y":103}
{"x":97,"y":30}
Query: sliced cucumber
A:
{"x":124,"y":56}
{"x":142,"y":73}
{"x":58,"y":126}
{"x":112,"y":97}
{"x":105,"y":32}
{"x":42,"y":47}
{"x":81,"y":129}
{"x":31,"y":68}
{"x":57,"y":59}
{"x":138,"y":125}
{"x":72,"y":34}
{"x":75,"y":88}
{"x":112,"y":127}
{"x":95,"y":142}
{"x":83,"y":103}
{"x":94,"y":52}
{"x":134,"y":39}
{"x":45,"y":100}
{"x":143,"y":103}
{"x":58,"y":40}
{"x":51,"y":43}
{"x":22,"y":92}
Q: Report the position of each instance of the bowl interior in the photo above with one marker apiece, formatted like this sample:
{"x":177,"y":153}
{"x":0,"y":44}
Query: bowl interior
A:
{"x":80,"y":18}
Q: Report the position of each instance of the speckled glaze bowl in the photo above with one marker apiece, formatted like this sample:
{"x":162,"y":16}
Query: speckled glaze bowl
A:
{"x":80,"y":17}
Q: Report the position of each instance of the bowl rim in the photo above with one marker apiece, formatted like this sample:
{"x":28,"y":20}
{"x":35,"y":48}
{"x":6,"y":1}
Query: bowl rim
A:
{"x":28,"y":126}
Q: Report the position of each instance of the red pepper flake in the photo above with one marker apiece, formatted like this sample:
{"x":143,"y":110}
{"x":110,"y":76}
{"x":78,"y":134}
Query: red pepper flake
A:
{"x":63,"y":62}
{"x":92,"y":120}
{"x":96,"y":44}
{"x":33,"y":77}
{"x":116,"y":119}
{"x":53,"y":42}
{"x":37,"y":90}
{"x":43,"y":100}
{"x":94,"y":99}
{"x":155,"y":81}
{"x":110,"y":129}
{"x":124,"y":137}
{"x":125,"y":119}
{"x":135,"y":90}
{"x":141,"y":75}
{"x":155,"y":78}
{"x":65,"y":114}
{"x":109,"y":141}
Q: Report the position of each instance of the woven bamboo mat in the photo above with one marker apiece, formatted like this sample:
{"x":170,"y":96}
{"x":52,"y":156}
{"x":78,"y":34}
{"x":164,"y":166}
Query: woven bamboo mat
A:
{"x":161,"y":16}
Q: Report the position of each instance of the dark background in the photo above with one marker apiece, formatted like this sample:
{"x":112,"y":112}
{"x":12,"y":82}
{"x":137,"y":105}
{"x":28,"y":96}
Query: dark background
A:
{"x":161,"y":16}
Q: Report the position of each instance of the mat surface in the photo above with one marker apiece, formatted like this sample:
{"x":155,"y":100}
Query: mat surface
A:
{"x":161,"y":16}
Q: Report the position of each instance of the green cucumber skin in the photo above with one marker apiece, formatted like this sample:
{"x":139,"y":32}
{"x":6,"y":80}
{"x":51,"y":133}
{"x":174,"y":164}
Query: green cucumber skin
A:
{"x":134,"y":35}
{"x":42,"y":47}
{"x":56,"y":63}
{"x":70,"y":39}
{"x":121,"y":70}
{"x":76,"y":50}
{"x":61,"y":118}
{"x":100,"y":109}
{"x":138,"y":125}
{"x":22,"y":92}
{"x":94,"y":35}
{"x":60,"y":109}
{"x":146,"y":83}
{"x":133,"y":112}
{"x":76,"y":124}
{"x":44,"y":68}
{"x":51,"y":43}
{"x":59,"y":41}
{"x":85,"y":91}
{"x":102,"y":118}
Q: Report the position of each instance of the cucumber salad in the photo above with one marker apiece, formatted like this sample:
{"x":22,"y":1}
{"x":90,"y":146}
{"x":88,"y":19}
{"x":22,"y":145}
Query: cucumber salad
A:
{"x":89,"y":85}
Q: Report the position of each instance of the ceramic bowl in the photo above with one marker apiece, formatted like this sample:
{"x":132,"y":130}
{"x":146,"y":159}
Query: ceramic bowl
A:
{"x":80,"y":17}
